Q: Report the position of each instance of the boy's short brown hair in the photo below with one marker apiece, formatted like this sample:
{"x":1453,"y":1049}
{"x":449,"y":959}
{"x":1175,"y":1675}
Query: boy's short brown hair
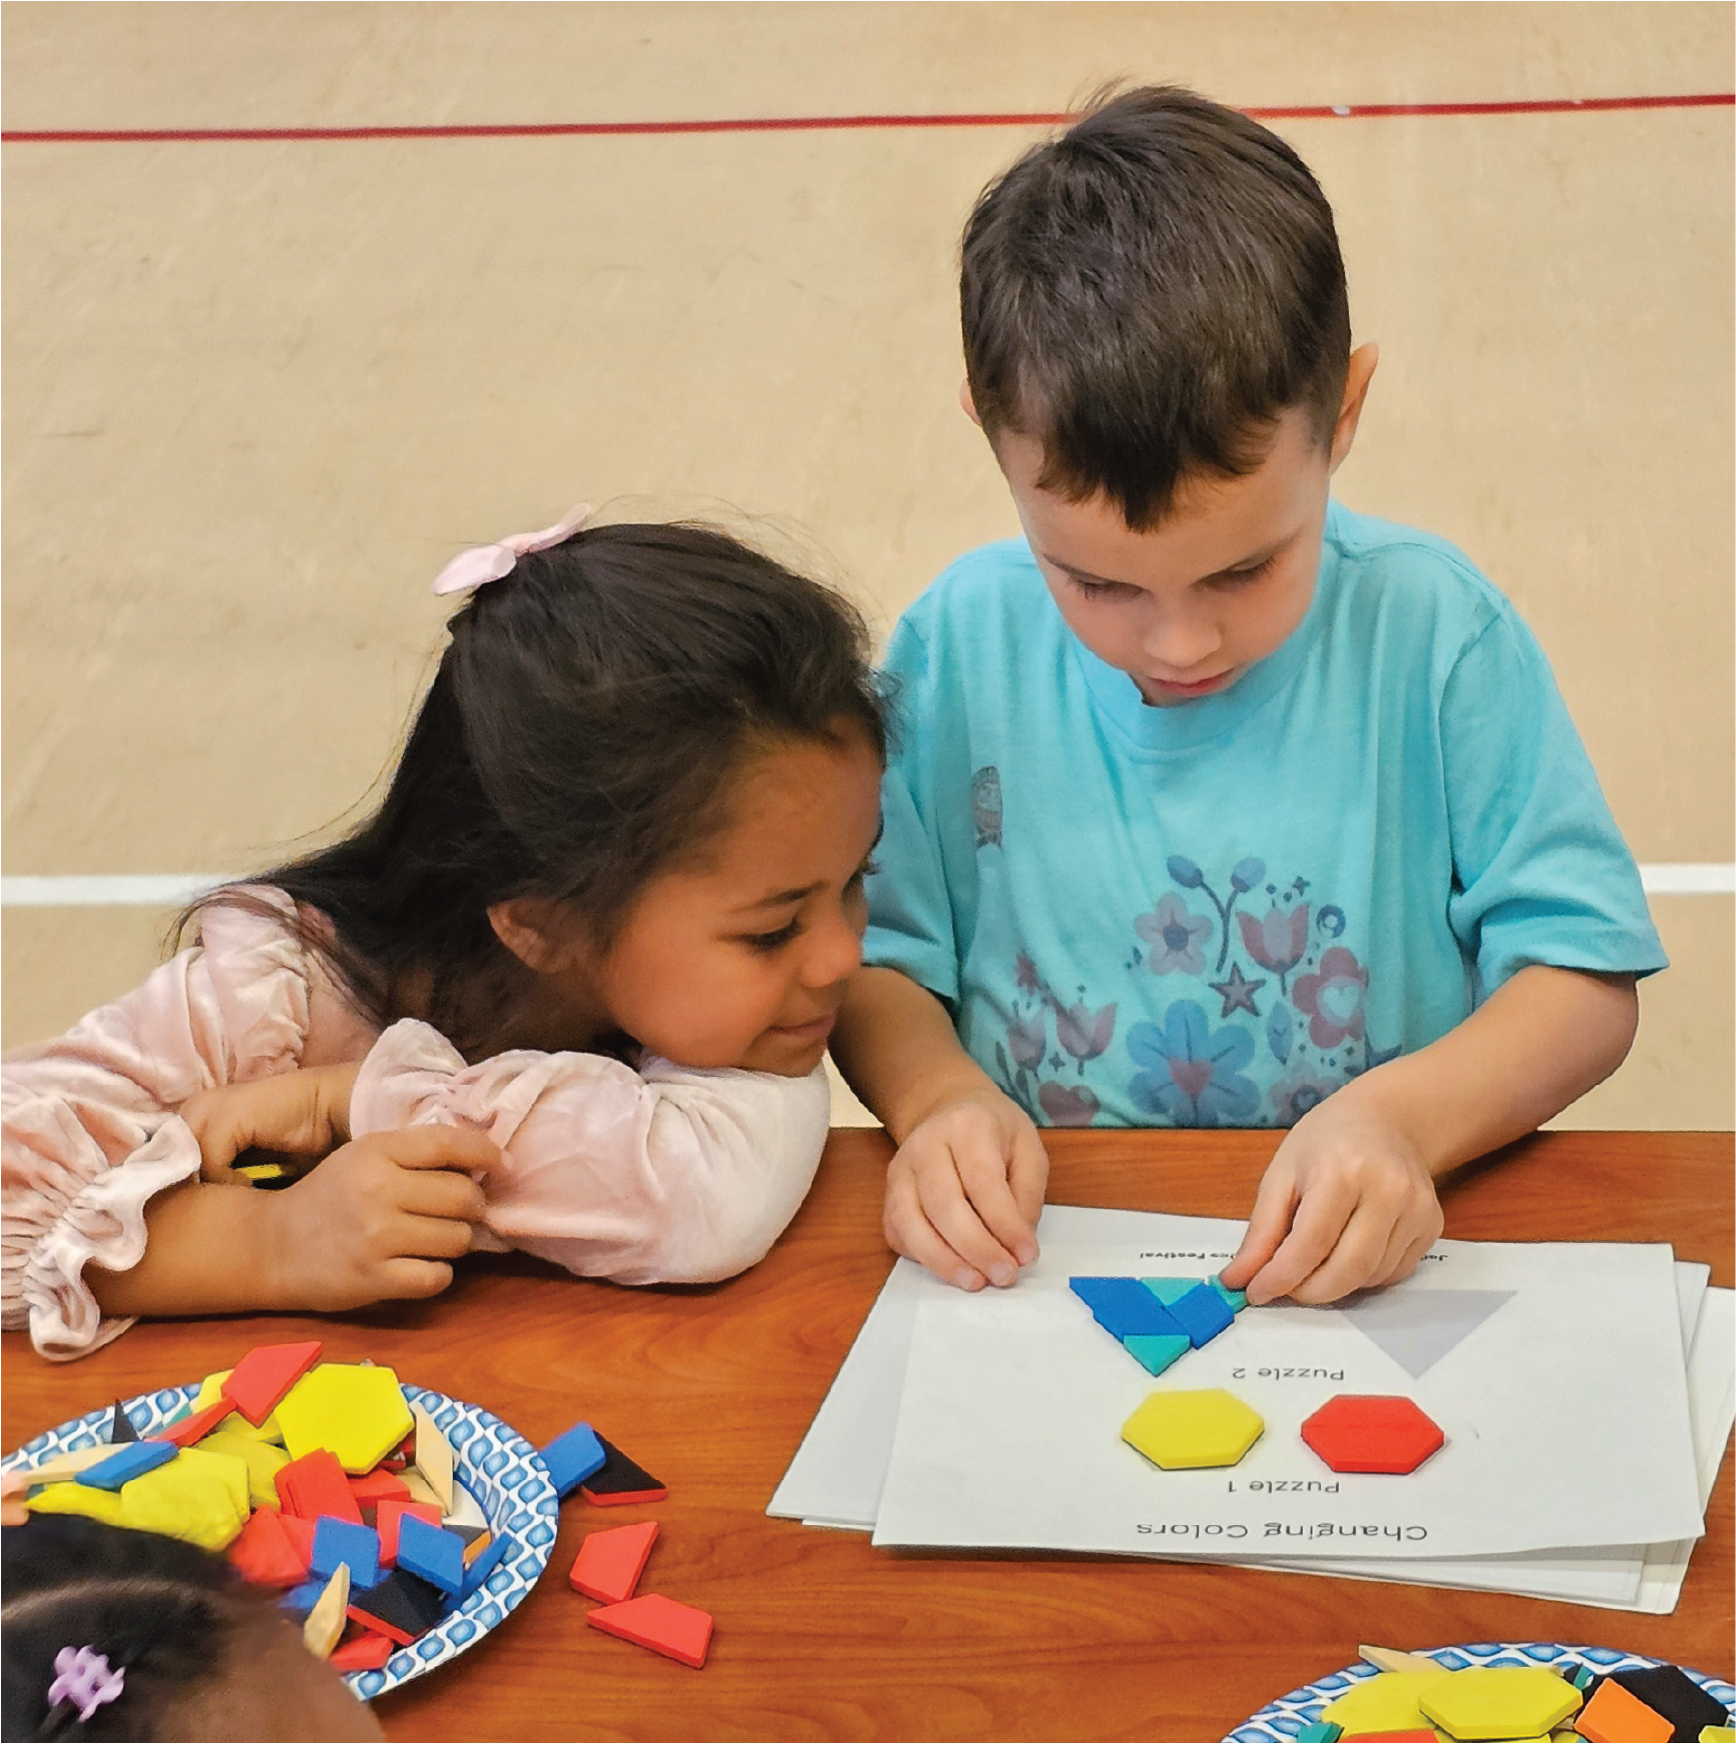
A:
{"x":1145,"y":293}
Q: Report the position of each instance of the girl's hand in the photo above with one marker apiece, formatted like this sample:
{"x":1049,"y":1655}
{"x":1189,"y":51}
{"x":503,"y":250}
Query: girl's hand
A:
{"x":964,"y":1190}
{"x":296,"y":1114}
{"x":12,"y":1489}
{"x":382,"y":1217}
{"x":1346,"y":1204}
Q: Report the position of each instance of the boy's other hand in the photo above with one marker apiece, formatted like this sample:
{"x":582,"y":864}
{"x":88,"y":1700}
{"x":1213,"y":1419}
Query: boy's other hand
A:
{"x":965,"y":1189}
{"x":1346,"y":1204}
{"x":382,"y":1217}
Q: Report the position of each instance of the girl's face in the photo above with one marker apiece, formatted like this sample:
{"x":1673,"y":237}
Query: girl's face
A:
{"x":742,"y":958}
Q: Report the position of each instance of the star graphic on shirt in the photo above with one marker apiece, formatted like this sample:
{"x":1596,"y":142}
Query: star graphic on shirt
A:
{"x":1237,"y":993}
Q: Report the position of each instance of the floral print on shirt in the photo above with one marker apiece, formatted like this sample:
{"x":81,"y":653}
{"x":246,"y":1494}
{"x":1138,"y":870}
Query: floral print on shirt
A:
{"x":1264,"y":993}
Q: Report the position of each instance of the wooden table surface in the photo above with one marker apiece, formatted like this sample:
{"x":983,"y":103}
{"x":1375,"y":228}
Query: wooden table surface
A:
{"x":821,"y":1636}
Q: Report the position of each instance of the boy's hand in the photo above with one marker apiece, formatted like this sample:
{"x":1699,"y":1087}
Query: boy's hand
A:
{"x":296,"y":1115}
{"x":381,"y":1217}
{"x":964,"y":1191}
{"x":1346,"y":1204}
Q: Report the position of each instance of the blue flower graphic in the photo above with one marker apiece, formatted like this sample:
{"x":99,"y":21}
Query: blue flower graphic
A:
{"x":1193,"y":1073}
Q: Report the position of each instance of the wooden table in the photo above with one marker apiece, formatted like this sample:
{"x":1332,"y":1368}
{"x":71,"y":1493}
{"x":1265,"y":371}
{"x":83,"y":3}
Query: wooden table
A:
{"x":821,"y":1636}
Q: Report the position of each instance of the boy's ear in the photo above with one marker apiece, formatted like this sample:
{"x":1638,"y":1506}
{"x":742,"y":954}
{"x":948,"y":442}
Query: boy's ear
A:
{"x":965,"y":400}
{"x":530,"y":928}
{"x":1356,"y":380}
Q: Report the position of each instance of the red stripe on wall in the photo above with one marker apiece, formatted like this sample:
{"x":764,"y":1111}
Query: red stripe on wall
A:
{"x":828,"y":123}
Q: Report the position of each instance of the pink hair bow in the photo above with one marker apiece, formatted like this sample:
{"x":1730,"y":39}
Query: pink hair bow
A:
{"x":485,"y":563}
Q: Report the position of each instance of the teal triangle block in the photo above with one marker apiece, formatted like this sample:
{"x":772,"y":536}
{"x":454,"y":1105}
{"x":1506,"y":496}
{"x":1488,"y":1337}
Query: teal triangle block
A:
{"x":1237,"y":1299}
{"x":1168,"y":1290}
{"x":1155,"y":1351}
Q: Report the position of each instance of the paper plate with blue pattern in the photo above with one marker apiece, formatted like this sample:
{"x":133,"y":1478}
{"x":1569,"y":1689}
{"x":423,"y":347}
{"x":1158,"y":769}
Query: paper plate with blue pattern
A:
{"x":500,"y":1469}
{"x":1280,"y":1721}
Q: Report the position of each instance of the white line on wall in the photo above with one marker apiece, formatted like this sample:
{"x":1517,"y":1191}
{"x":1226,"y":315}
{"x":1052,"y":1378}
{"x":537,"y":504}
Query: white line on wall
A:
{"x":173,"y":889}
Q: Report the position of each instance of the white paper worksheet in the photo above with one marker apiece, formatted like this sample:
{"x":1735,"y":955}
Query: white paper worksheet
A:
{"x":1008,"y":1430}
{"x":836,"y":1477}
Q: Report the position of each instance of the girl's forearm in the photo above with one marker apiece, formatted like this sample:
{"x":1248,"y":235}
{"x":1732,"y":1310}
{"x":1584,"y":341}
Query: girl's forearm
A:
{"x":896,"y":1045}
{"x":1540,"y":1041}
{"x":209,"y":1250}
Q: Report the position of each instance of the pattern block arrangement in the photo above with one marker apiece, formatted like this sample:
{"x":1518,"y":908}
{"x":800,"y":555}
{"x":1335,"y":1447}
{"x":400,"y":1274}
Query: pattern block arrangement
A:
{"x":1157,"y":1321}
{"x":1124,"y":1308}
{"x":1202,"y":1314}
{"x":1184,"y":1431}
{"x":1361,"y":1432}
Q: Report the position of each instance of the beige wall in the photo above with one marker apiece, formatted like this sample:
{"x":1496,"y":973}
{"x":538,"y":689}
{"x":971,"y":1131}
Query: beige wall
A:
{"x":257,"y":392}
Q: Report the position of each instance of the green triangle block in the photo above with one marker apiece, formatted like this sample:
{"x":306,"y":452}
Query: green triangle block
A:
{"x":1155,"y":1351}
{"x":1237,"y":1299}
{"x":1168,"y":1290}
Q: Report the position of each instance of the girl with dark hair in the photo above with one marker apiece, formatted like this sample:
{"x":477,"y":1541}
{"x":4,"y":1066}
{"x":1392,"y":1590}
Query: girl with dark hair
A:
{"x":567,"y":990}
{"x":108,"y":1633}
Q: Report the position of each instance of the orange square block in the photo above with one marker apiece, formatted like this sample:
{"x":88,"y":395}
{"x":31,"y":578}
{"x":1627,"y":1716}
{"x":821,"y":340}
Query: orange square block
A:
{"x":1614,"y":1716}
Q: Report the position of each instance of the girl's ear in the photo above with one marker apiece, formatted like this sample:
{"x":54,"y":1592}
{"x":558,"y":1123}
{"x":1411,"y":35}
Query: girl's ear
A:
{"x":530,"y":928}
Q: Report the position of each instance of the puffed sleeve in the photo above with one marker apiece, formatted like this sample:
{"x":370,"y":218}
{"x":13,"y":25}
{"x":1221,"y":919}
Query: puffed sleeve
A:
{"x":660,"y":1175}
{"x":87,"y":1129}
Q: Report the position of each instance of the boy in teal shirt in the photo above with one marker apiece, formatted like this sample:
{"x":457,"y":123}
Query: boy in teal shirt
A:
{"x":1216,"y":804}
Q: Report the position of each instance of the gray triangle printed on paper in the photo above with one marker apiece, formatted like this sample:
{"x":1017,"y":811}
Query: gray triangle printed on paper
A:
{"x":1418,"y":1327}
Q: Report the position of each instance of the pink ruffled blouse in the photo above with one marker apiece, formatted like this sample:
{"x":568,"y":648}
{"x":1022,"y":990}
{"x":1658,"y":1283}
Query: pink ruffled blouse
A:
{"x":660,"y":1175}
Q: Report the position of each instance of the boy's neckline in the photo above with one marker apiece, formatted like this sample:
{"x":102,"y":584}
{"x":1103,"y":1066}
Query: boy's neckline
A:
{"x":1186,"y":726}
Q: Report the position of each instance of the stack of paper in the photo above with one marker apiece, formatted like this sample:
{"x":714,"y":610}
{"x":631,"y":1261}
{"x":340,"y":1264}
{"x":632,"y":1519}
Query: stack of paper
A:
{"x":1586,"y":1391}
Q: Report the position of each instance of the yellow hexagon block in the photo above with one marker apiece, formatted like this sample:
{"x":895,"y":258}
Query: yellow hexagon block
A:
{"x":200,"y":1497}
{"x":1500,"y":1701}
{"x":356,"y":1410}
{"x":263,"y":1462}
{"x":1180,"y":1431}
{"x":211,"y":1390}
{"x":1387,"y":1702}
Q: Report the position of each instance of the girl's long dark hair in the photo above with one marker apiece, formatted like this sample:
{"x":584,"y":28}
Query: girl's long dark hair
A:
{"x":581,"y":735}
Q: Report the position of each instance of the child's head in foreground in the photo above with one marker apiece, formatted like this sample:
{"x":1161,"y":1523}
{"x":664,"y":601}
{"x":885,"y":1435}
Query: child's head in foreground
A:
{"x":635,"y":808}
{"x":1157,"y":345}
{"x":199,"y":1653}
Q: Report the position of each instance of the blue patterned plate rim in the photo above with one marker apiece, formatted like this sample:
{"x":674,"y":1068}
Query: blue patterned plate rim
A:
{"x":501,"y":1470}
{"x":1279,"y":1721}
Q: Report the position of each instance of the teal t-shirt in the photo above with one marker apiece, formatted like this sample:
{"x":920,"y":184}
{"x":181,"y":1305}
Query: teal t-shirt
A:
{"x":1215,"y":914}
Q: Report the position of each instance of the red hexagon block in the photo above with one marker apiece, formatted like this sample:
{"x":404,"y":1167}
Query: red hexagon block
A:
{"x":1371,"y":1432}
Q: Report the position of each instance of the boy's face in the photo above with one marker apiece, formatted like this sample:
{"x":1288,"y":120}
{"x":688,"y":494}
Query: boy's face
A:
{"x":1186,"y":608}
